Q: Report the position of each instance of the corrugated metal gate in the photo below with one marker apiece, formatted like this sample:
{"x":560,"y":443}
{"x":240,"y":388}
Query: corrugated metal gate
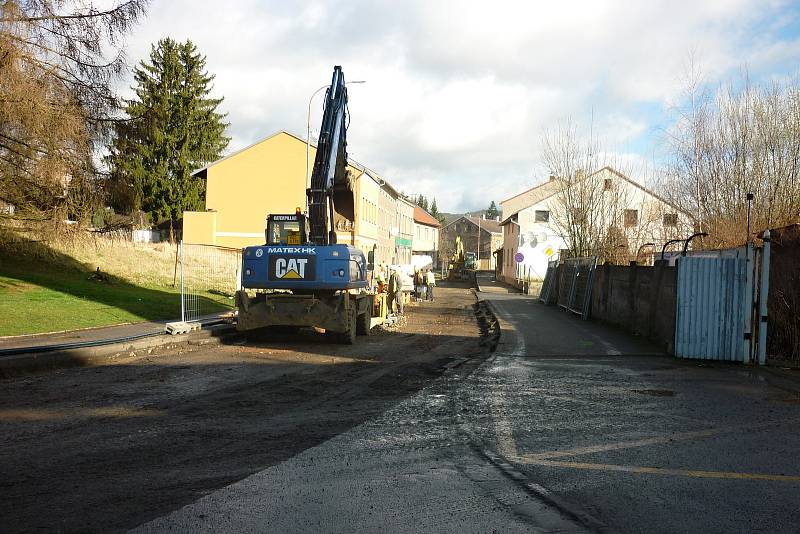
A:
{"x":714,"y":307}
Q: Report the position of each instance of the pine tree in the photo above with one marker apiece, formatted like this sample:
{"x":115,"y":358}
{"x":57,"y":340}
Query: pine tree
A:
{"x":492,"y":212}
{"x":434,"y":208}
{"x":173,"y":128}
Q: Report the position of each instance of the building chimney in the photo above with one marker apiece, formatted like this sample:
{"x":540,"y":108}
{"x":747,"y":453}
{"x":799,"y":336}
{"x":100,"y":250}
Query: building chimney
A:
{"x":497,"y":218}
{"x":552,"y":177}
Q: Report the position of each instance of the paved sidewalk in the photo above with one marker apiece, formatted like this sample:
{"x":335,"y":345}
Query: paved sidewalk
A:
{"x":489,"y":284}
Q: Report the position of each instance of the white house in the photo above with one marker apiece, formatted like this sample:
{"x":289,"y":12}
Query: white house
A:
{"x":620,"y":213}
{"x":425,"y":244}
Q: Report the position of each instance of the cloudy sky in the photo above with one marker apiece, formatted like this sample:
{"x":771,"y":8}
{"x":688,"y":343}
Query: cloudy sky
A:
{"x":458,"y":94}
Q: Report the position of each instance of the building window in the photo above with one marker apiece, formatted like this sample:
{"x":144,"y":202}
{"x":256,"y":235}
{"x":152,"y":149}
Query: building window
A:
{"x":541,"y":216}
{"x":607,"y":184}
{"x":631,"y":218}
{"x":670,"y":219}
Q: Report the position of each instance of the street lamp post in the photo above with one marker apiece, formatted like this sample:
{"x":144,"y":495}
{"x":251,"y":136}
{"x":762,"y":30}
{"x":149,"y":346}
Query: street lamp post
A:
{"x":478,"y":261}
{"x":308,"y":129}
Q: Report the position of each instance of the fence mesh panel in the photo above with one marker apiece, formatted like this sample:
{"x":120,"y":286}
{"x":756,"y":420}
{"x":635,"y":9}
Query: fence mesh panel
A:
{"x":549,"y":281}
{"x":210,"y":277}
{"x":575,"y":284}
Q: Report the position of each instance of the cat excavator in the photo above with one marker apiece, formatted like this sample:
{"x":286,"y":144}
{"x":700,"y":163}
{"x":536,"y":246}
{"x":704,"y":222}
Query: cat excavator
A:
{"x":301,"y":276}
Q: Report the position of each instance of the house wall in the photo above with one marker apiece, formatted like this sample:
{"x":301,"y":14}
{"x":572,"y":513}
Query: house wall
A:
{"x":368,"y":194}
{"x":270,"y":177}
{"x":387,"y":229}
{"x":404,"y":240}
{"x":426,"y":238}
{"x":527,"y":198}
{"x":200,"y":227}
{"x":510,"y":244}
{"x":489,"y":242}
{"x":540,"y":242}
{"x":650,"y":227}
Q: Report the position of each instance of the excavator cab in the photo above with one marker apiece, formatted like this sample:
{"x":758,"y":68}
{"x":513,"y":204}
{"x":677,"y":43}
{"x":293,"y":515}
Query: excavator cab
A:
{"x":287,"y":229}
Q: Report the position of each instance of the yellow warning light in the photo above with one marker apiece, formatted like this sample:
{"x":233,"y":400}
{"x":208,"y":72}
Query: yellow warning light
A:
{"x":297,"y":211}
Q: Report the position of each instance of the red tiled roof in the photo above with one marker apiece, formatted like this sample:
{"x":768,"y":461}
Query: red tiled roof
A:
{"x":423,"y":217}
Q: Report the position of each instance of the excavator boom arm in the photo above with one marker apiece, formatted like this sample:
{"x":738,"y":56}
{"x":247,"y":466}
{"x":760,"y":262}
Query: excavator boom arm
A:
{"x":331,"y":191}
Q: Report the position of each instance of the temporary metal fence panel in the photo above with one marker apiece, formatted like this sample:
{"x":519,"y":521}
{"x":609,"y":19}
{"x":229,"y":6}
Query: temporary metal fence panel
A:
{"x":549,"y":282}
{"x":209,"y":278}
{"x":575,"y":285}
{"x":714,"y":308}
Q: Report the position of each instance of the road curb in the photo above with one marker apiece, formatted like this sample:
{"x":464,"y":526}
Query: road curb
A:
{"x":488,"y":323}
{"x":33,"y":362}
{"x":543,"y":494}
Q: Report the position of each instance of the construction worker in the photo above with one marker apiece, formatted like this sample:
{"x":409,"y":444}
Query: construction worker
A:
{"x":430,"y":283}
{"x":380,"y":277}
{"x":418,"y":284}
{"x":395,"y":292}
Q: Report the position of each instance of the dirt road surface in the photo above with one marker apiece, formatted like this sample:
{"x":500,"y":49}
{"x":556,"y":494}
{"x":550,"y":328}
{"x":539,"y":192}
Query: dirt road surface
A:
{"x":110,"y":447}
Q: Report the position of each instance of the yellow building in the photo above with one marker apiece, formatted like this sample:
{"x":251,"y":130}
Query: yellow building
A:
{"x":269,"y":176}
{"x":368,"y":194}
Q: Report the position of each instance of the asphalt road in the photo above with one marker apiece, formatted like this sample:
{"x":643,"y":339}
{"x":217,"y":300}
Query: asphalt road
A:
{"x":637,"y":441}
{"x":569,"y":426}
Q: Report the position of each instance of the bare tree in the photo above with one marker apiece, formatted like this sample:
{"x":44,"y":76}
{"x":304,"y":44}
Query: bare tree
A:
{"x":736,"y":141}
{"x":56,"y":98}
{"x":569,"y":159}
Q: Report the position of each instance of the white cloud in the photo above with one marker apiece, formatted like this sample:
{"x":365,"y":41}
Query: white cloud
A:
{"x":458,"y":93}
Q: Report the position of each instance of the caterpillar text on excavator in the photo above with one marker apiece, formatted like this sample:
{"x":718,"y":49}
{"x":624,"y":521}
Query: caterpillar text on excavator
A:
{"x":301,"y":276}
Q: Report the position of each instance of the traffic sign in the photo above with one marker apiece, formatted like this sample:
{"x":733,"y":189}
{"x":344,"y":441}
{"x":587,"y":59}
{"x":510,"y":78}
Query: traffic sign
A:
{"x":518,"y":257}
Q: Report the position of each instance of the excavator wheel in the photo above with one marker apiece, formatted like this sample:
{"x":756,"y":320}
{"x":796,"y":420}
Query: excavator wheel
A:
{"x":348,"y":337}
{"x":364,"y":323}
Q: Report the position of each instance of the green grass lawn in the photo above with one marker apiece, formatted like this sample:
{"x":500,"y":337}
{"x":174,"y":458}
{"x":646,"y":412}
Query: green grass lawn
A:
{"x":37,"y":297}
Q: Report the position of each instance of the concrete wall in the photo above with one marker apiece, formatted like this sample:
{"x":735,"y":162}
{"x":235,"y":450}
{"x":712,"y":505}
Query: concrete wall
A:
{"x":639,"y":299}
{"x":783,"y":329}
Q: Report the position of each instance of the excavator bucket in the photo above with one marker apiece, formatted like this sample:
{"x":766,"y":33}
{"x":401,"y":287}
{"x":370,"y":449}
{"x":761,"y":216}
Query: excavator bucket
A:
{"x":343,"y":194}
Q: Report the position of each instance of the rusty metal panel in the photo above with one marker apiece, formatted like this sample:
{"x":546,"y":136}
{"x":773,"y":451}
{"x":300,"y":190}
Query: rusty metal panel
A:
{"x":712,"y":308}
